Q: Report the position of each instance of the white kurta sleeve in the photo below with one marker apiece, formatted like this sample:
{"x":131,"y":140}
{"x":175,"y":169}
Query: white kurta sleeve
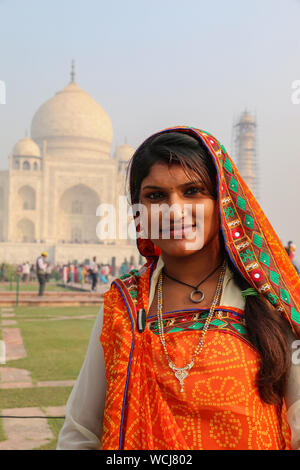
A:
{"x":292,"y":395}
{"x":82,"y":428}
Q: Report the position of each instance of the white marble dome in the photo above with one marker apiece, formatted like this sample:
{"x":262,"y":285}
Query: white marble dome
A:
{"x":71,"y":113}
{"x":26,"y":147}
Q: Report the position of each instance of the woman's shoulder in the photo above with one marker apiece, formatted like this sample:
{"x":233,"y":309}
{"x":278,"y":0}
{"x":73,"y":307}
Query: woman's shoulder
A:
{"x":231,"y":293}
{"x":134,"y":275}
{"x":132,"y":282}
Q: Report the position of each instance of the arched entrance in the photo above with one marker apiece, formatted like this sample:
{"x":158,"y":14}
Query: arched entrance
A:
{"x":27,"y":198}
{"x":77,"y":215}
{"x":25,"y":231}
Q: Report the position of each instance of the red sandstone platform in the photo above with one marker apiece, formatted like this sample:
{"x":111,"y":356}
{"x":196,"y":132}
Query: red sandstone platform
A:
{"x":55,"y":302}
{"x":67,"y":298}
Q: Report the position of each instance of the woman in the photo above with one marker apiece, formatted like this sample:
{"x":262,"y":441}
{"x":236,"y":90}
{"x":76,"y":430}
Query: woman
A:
{"x":197,"y":345}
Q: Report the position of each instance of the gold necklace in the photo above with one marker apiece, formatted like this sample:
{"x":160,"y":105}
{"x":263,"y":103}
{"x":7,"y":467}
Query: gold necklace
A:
{"x":181,"y":373}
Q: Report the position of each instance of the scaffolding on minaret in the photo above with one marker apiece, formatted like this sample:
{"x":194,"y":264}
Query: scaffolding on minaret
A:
{"x":245,"y":151}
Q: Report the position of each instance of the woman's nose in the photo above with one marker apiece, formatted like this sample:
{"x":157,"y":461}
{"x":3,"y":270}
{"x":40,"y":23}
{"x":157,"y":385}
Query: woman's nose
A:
{"x":177,"y":205}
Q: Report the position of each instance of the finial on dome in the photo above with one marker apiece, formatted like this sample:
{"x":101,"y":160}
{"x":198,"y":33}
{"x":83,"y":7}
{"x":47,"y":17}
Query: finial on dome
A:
{"x":73,"y":71}
{"x":125,"y":140}
{"x":26,"y":133}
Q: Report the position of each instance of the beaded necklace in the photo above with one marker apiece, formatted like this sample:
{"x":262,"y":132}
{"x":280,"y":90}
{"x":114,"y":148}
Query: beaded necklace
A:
{"x":181,"y":373}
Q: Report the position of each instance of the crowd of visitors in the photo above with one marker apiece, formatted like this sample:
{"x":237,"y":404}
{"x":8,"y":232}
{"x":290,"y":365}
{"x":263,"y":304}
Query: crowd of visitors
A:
{"x":91,"y":272}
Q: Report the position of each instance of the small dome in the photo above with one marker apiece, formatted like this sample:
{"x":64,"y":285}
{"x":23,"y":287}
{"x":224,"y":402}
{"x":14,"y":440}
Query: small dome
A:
{"x":26,"y":147}
{"x":123,"y":152}
{"x":71,"y":113}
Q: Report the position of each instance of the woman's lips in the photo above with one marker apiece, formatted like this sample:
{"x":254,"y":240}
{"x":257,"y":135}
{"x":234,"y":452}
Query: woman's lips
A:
{"x":179,"y":231}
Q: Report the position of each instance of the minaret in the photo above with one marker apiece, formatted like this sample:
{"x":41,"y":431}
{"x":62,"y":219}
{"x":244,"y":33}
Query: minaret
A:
{"x":245,"y":151}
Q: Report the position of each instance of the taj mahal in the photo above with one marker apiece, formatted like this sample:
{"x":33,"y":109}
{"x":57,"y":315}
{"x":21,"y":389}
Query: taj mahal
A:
{"x":56,"y":180}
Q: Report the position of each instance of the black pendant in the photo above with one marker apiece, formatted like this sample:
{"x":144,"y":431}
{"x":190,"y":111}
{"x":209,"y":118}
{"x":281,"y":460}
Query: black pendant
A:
{"x":196,"y":291}
{"x":141,"y":320}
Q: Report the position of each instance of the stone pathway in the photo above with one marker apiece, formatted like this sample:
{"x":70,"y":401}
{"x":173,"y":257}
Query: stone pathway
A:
{"x":56,"y":383}
{"x":14,"y":343}
{"x":21,"y":378}
{"x":14,"y":378}
{"x":23,"y":433}
{"x":8,"y":322}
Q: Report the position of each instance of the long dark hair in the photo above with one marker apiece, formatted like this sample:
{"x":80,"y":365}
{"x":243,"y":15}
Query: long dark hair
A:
{"x":267,"y":329}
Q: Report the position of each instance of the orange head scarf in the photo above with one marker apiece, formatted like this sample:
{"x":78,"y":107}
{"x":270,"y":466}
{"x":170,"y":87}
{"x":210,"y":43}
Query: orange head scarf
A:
{"x":249,"y":239}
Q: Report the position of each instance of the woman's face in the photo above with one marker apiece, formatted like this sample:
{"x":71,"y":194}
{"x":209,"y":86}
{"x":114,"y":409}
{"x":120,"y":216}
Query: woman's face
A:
{"x":194,"y":220}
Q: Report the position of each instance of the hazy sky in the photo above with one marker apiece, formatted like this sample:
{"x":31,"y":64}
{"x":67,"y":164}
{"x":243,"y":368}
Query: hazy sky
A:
{"x":153,"y":64}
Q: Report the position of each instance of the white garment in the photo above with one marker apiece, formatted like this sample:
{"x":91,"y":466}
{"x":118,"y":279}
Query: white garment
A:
{"x":25,"y":268}
{"x":105,"y":270}
{"x":82,"y":428}
{"x":85,"y":406}
{"x":93,"y":266}
{"x":42,"y":264}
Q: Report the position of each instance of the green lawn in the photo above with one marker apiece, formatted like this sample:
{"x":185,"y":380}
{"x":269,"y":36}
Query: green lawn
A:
{"x":41,"y":397}
{"x":55,"y":351}
{"x":32,"y":287}
{"x":44,"y":313}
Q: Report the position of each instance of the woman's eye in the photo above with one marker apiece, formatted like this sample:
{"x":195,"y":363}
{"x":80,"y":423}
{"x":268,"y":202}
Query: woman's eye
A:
{"x":155,"y":195}
{"x":194,"y":190}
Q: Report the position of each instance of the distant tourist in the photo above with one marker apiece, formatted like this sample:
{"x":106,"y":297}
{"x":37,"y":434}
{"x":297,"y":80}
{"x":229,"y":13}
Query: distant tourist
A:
{"x":124,"y":268}
{"x":2,"y":272}
{"x":79,"y":274}
{"x":32,"y":273}
{"x":48,"y":272}
{"x":71,"y":266}
{"x":25,"y":271}
{"x":83,"y":274}
{"x":41,"y":271}
{"x":104,"y":272}
{"x":65,"y":274}
{"x":93,"y":270}
{"x":290,"y":249}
